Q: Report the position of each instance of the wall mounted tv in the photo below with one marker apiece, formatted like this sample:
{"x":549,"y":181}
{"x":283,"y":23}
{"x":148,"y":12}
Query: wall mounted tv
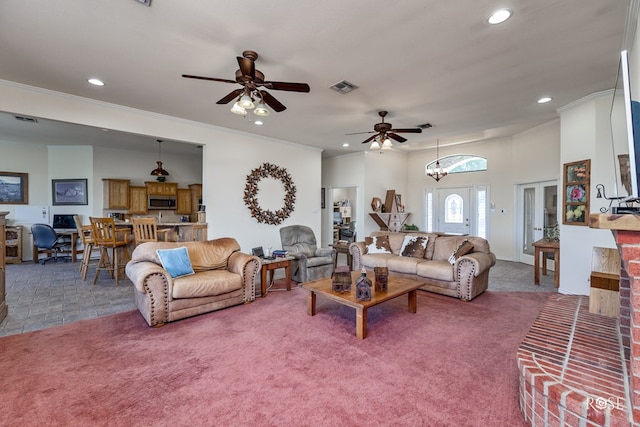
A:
{"x":625,"y":129}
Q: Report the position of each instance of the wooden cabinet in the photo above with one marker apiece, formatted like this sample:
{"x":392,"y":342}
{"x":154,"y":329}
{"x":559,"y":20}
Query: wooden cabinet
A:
{"x":196,"y":197}
{"x":158,"y":188}
{"x":184,"y":201}
{"x":186,"y":233}
{"x":138,"y":200}
{"x":116,"y":193}
{"x":13,"y":249}
{"x":3,"y":267}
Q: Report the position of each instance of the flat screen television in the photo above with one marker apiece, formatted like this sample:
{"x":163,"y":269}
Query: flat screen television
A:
{"x":625,"y":130}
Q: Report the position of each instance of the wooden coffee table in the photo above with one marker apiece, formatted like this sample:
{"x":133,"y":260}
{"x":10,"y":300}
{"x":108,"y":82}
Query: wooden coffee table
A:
{"x":396,"y":287}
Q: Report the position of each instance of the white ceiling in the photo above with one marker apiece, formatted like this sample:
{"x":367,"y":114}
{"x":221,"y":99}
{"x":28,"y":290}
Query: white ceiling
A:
{"x":424,"y":61}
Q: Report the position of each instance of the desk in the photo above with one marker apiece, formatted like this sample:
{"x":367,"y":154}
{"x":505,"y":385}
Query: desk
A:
{"x":542,"y":247}
{"x":342,"y":248}
{"x":73,"y":235}
{"x":270,"y":265}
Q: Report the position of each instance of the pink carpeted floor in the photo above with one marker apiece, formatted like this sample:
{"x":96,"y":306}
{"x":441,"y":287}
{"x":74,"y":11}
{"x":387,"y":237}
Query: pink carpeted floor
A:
{"x":270,"y":364}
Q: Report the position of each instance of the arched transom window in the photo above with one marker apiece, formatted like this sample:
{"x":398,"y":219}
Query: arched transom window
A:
{"x":461,"y":163}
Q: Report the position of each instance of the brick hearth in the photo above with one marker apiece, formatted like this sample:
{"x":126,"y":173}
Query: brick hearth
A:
{"x":572,"y":368}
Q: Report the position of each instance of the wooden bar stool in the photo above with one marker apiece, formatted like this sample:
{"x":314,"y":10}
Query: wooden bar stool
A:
{"x":105,"y":236}
{"x":145,"y":229}
{"x":88,"y":246}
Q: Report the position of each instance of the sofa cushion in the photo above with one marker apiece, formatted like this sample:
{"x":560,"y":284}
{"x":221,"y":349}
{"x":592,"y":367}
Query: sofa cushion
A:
{"x":438,"y":270}
{"x":445,"y":246}
{"x":377,"y":245}
{"x":403,"y":264}
{"x":176,"y":261}
{"x":413,"y":246}
{"x":377,"y":260}
{"x":206,"y":284}
{"x":464,"y":248}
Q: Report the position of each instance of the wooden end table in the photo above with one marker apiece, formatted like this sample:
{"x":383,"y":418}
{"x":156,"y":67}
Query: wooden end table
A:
{"x":542,"y":247}
{"x":397,"y":286}
{"x":342,"y":248}
{"x":270,"y":265}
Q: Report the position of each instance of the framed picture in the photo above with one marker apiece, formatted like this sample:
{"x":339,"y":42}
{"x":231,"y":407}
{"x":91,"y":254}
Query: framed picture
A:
{"x":69,"y":192}
{"x":14,"y":188}
{"x":575,"y":198}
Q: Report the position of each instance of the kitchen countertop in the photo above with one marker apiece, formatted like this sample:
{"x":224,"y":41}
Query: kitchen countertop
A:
{"x":165,"y":224}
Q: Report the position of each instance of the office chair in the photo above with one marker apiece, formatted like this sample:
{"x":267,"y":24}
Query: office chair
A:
{"x":45,"y":238}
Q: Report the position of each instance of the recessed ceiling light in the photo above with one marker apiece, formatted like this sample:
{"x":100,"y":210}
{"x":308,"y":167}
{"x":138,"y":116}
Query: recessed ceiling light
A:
{"x":346,"y":144}
{"x":544,"y":100}
{"x":499,"y":16}
{"x":258,"y":122}
{"x":96,"y":82}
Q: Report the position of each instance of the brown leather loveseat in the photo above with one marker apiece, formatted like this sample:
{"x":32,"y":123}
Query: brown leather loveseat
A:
{"x":222,"y":276}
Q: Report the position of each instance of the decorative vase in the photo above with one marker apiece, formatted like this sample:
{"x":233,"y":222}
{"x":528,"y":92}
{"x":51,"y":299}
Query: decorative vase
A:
{"x":376,"y":204}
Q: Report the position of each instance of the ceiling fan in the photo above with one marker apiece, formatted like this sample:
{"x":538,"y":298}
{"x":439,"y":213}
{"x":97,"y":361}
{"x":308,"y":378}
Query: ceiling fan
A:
{"x":251,"y":80}
{"x":383,"y":131}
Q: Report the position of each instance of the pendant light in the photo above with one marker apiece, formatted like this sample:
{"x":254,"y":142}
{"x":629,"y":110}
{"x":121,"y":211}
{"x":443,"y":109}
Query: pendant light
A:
{"x":438,"y":171}
{"x":159,"y":171}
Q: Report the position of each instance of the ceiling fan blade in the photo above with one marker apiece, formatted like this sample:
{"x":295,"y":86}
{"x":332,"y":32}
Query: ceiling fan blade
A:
{"x":411,"y":130}
{"x":214,"y":79}
{"x":288,"y":86}
{"x":272,"y":102}
{"x":396,"y":137}
{"x":230,"y":97}
{"x":360,"y":133}
{"x":371,"y":138}
{"x":248,"y":67}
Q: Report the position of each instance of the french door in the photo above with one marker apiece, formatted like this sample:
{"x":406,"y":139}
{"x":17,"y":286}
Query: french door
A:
{"x":537,"y":209}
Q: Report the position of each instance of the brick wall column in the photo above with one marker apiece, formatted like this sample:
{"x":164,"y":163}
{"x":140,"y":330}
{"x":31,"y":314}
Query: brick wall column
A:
{"x":629,"y":247}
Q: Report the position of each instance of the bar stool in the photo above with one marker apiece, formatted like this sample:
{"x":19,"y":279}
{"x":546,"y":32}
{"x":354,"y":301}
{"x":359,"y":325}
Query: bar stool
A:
{"x":105,"y":237}
{"x":85,"y":233}
{"x":145,"y":229}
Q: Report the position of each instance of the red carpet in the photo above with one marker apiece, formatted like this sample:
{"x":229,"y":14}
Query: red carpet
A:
{"x":269,"y":364}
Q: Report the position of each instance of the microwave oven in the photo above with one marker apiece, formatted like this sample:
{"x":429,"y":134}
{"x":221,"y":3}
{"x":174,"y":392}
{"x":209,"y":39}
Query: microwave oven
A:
{"x":162,"y":202}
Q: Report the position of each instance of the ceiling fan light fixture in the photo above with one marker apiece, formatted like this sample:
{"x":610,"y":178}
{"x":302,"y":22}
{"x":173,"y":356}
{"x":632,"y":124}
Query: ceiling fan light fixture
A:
{"x":261,"y":110}
{"x":386,"y":144}
{"x":237,"y":109}
{"x":374,"y":145}
{"x":246,"y":102}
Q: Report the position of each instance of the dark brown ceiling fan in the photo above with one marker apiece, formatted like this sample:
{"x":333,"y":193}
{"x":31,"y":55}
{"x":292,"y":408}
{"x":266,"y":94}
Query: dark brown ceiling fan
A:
{"x":251,"y":80}
{"x":383,"y":130}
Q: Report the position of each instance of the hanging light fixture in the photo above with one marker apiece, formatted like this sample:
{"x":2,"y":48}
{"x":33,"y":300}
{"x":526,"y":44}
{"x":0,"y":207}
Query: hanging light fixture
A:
{"x":386,"y":144}
{"x":375,"y":145}
{"x":158,"y":171}
{"x":438,"y":171}
{"x":250,"y":100}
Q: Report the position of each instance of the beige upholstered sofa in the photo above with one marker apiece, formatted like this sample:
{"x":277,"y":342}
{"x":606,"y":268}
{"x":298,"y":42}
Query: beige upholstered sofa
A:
{"x":466,"y":278}
{"x":223,"y":276}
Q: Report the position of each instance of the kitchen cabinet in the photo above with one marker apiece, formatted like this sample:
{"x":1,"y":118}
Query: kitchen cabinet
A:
{"x":116,"y":193}
{"x":184,"y":201}
{"x":158,"y":188}
{"x":3,"y":267}
{"x":13,"y":248}
{"x":196,"y":197}
{"x":185,"y":232}
{"x":138,"y":200}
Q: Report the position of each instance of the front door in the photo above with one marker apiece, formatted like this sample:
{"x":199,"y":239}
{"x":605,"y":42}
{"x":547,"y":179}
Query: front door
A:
{"x":454,"y":207}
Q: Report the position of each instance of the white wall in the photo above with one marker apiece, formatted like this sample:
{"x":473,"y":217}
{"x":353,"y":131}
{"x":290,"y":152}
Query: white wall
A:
{"x":228,"y":157}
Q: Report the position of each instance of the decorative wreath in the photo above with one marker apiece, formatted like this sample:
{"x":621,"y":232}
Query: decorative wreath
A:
{"x":251,"y":194}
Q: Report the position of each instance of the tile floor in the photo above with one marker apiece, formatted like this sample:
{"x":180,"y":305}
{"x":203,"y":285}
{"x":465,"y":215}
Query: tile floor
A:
{"x":42,"y":296}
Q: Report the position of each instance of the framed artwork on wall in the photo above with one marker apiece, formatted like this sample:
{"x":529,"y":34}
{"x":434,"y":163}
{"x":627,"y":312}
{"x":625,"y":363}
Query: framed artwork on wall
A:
{"x":576,"y":190}
{"x":14,"y":188}
{"x":69,"y":192}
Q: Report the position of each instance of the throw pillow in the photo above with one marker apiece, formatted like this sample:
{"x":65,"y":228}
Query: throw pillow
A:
{"x":377,"y":245}
{"x":463,"y":248}
{"x":414,"y":246}
{"x":175,"y":261}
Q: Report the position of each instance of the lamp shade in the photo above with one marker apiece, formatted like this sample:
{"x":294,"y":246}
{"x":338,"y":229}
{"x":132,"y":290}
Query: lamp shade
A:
{"x":261,"y":110}
{"x":246,"y":102}
{"x":159,"y":171}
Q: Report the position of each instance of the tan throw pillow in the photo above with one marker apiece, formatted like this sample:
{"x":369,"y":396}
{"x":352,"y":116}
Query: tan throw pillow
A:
{"x":377,"y":245}
{"x":463,"y":248}
{"x":414,"y":246}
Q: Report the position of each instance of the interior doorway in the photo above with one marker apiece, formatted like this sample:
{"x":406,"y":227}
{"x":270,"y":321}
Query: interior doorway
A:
{"x":537,"y":210}
{"x":343,"y":205}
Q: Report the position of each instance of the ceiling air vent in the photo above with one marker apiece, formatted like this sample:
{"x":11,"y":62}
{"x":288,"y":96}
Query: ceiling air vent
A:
{"x":26,"y":119}
{"x":343,"y":87}
{"x":145,"y":2}
{"x":425,"y":126}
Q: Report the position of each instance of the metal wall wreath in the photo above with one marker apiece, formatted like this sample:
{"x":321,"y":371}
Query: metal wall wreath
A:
{"x":251,"y":193}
